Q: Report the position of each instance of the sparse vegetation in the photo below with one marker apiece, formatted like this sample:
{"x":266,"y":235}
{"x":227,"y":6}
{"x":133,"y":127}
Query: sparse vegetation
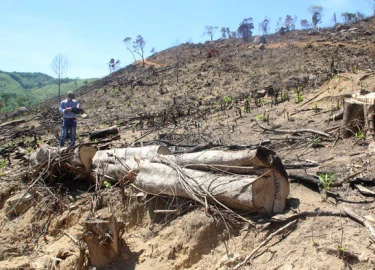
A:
{"x":326,"y":179}
{"x":315,"y":142}
{"x":360,"y":135}
{"x":239,"y":78}
{"x":262,"y":117}
{"x":299,"y":95}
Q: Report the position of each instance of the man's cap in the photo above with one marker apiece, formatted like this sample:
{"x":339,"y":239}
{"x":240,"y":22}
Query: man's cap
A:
{"x":70,"y":94}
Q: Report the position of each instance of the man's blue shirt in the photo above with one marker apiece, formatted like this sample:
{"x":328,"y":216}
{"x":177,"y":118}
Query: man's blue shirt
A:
{"x":68,"y":104}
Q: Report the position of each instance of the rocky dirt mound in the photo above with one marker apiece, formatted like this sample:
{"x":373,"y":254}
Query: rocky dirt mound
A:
{"x":284,"y":97}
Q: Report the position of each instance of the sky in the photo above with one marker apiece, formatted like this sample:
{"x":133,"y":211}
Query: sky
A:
{"x":88,"y":33}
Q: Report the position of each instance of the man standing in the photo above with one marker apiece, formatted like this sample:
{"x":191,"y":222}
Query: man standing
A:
{"x":68,"y":108}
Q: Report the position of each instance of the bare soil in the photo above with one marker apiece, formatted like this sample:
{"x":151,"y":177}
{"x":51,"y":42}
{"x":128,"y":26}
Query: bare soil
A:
{"x":181,"y":98}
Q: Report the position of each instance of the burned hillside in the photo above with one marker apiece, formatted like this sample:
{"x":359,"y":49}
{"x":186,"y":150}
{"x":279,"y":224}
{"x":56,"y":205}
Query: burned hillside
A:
{"x":293,"y":95}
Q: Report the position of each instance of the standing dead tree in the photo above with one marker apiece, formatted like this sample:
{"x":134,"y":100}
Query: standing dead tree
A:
{"x":60,"y":66}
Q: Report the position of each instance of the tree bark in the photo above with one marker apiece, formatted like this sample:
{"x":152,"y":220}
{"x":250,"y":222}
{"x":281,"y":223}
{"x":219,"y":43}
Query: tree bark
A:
{"x":103,"y":238}
{"x":252,"y":180}
{"x":102,"y":133}
{"x":114,"y":164}
{"x":265,"y":193}
{"x":79,"y":158}
{"x":359,"y":115}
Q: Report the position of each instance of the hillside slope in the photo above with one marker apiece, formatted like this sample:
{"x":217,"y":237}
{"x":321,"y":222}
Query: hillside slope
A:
{"x":19,"y":89}
{"x":233,"y":95}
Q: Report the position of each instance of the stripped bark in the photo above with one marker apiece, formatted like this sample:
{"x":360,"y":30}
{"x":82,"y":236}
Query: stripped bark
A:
{"x":252,"y":180}
{"x":235,"y":191}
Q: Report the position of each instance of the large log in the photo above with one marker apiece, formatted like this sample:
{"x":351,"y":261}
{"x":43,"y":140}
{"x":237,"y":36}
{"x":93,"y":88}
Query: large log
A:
{"x":79,"y":158}
{"x":265,"y":193}
{"x":252,"y":180}
{"x":260,"y":157}
{"x":114,"y":164}
{"x":102,"y":133}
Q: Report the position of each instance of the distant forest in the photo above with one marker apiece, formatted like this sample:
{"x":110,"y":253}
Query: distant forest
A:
{"x":19,"y":89}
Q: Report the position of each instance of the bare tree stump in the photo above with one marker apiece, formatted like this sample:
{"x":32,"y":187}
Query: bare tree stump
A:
{"x":359,"y":115}
{"x":103,"y":238}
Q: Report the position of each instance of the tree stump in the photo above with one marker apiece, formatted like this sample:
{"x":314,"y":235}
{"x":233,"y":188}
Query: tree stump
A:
{"x":103,"y":238}
{"x":359,"y":115}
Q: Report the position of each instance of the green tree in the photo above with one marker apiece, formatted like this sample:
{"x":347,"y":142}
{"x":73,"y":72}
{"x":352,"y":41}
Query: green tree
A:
{"x":316,"y":12}
{"x":139,"y":46}
{"x":60,"y":66}
{"x":349,"y":17}
{"x":6,"y":97}
{"x":233,"y":34}
{"x":289,"y":23}
{"x":128,"y":42}
{"x":305,"y":24}
{"x":225,"y":32}
{"x":245,"y":29}
{"x":264,"y":26}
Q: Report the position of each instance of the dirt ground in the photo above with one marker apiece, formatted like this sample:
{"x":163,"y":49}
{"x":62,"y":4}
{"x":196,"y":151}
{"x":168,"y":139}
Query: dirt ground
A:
{"x":181,"y":99}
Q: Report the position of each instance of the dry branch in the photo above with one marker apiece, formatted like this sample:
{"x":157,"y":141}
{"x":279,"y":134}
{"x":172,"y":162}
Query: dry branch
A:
{"x":306,"y":178}
{"x":11,"y":123}
{"x":290,"y":166}
{"x":362,"y":221}
{"x":294,"y":131}
{"x":252,"y":254}
{"x":337,"y":116}
{"x":364,"y":191}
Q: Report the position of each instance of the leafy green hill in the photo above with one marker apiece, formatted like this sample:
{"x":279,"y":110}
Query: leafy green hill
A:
{"x":19,"y":89}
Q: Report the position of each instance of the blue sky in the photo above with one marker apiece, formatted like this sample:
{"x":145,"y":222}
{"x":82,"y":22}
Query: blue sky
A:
{"x":91,"y":32}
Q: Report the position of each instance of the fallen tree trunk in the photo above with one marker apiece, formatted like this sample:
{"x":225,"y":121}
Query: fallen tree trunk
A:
{"x":114,"y":164}
{"x":78,"y":158}
{"x":248,"y":157}
{"x":102,"y":133}
{"x":251,"y":193}
{"x":252,"y":180}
